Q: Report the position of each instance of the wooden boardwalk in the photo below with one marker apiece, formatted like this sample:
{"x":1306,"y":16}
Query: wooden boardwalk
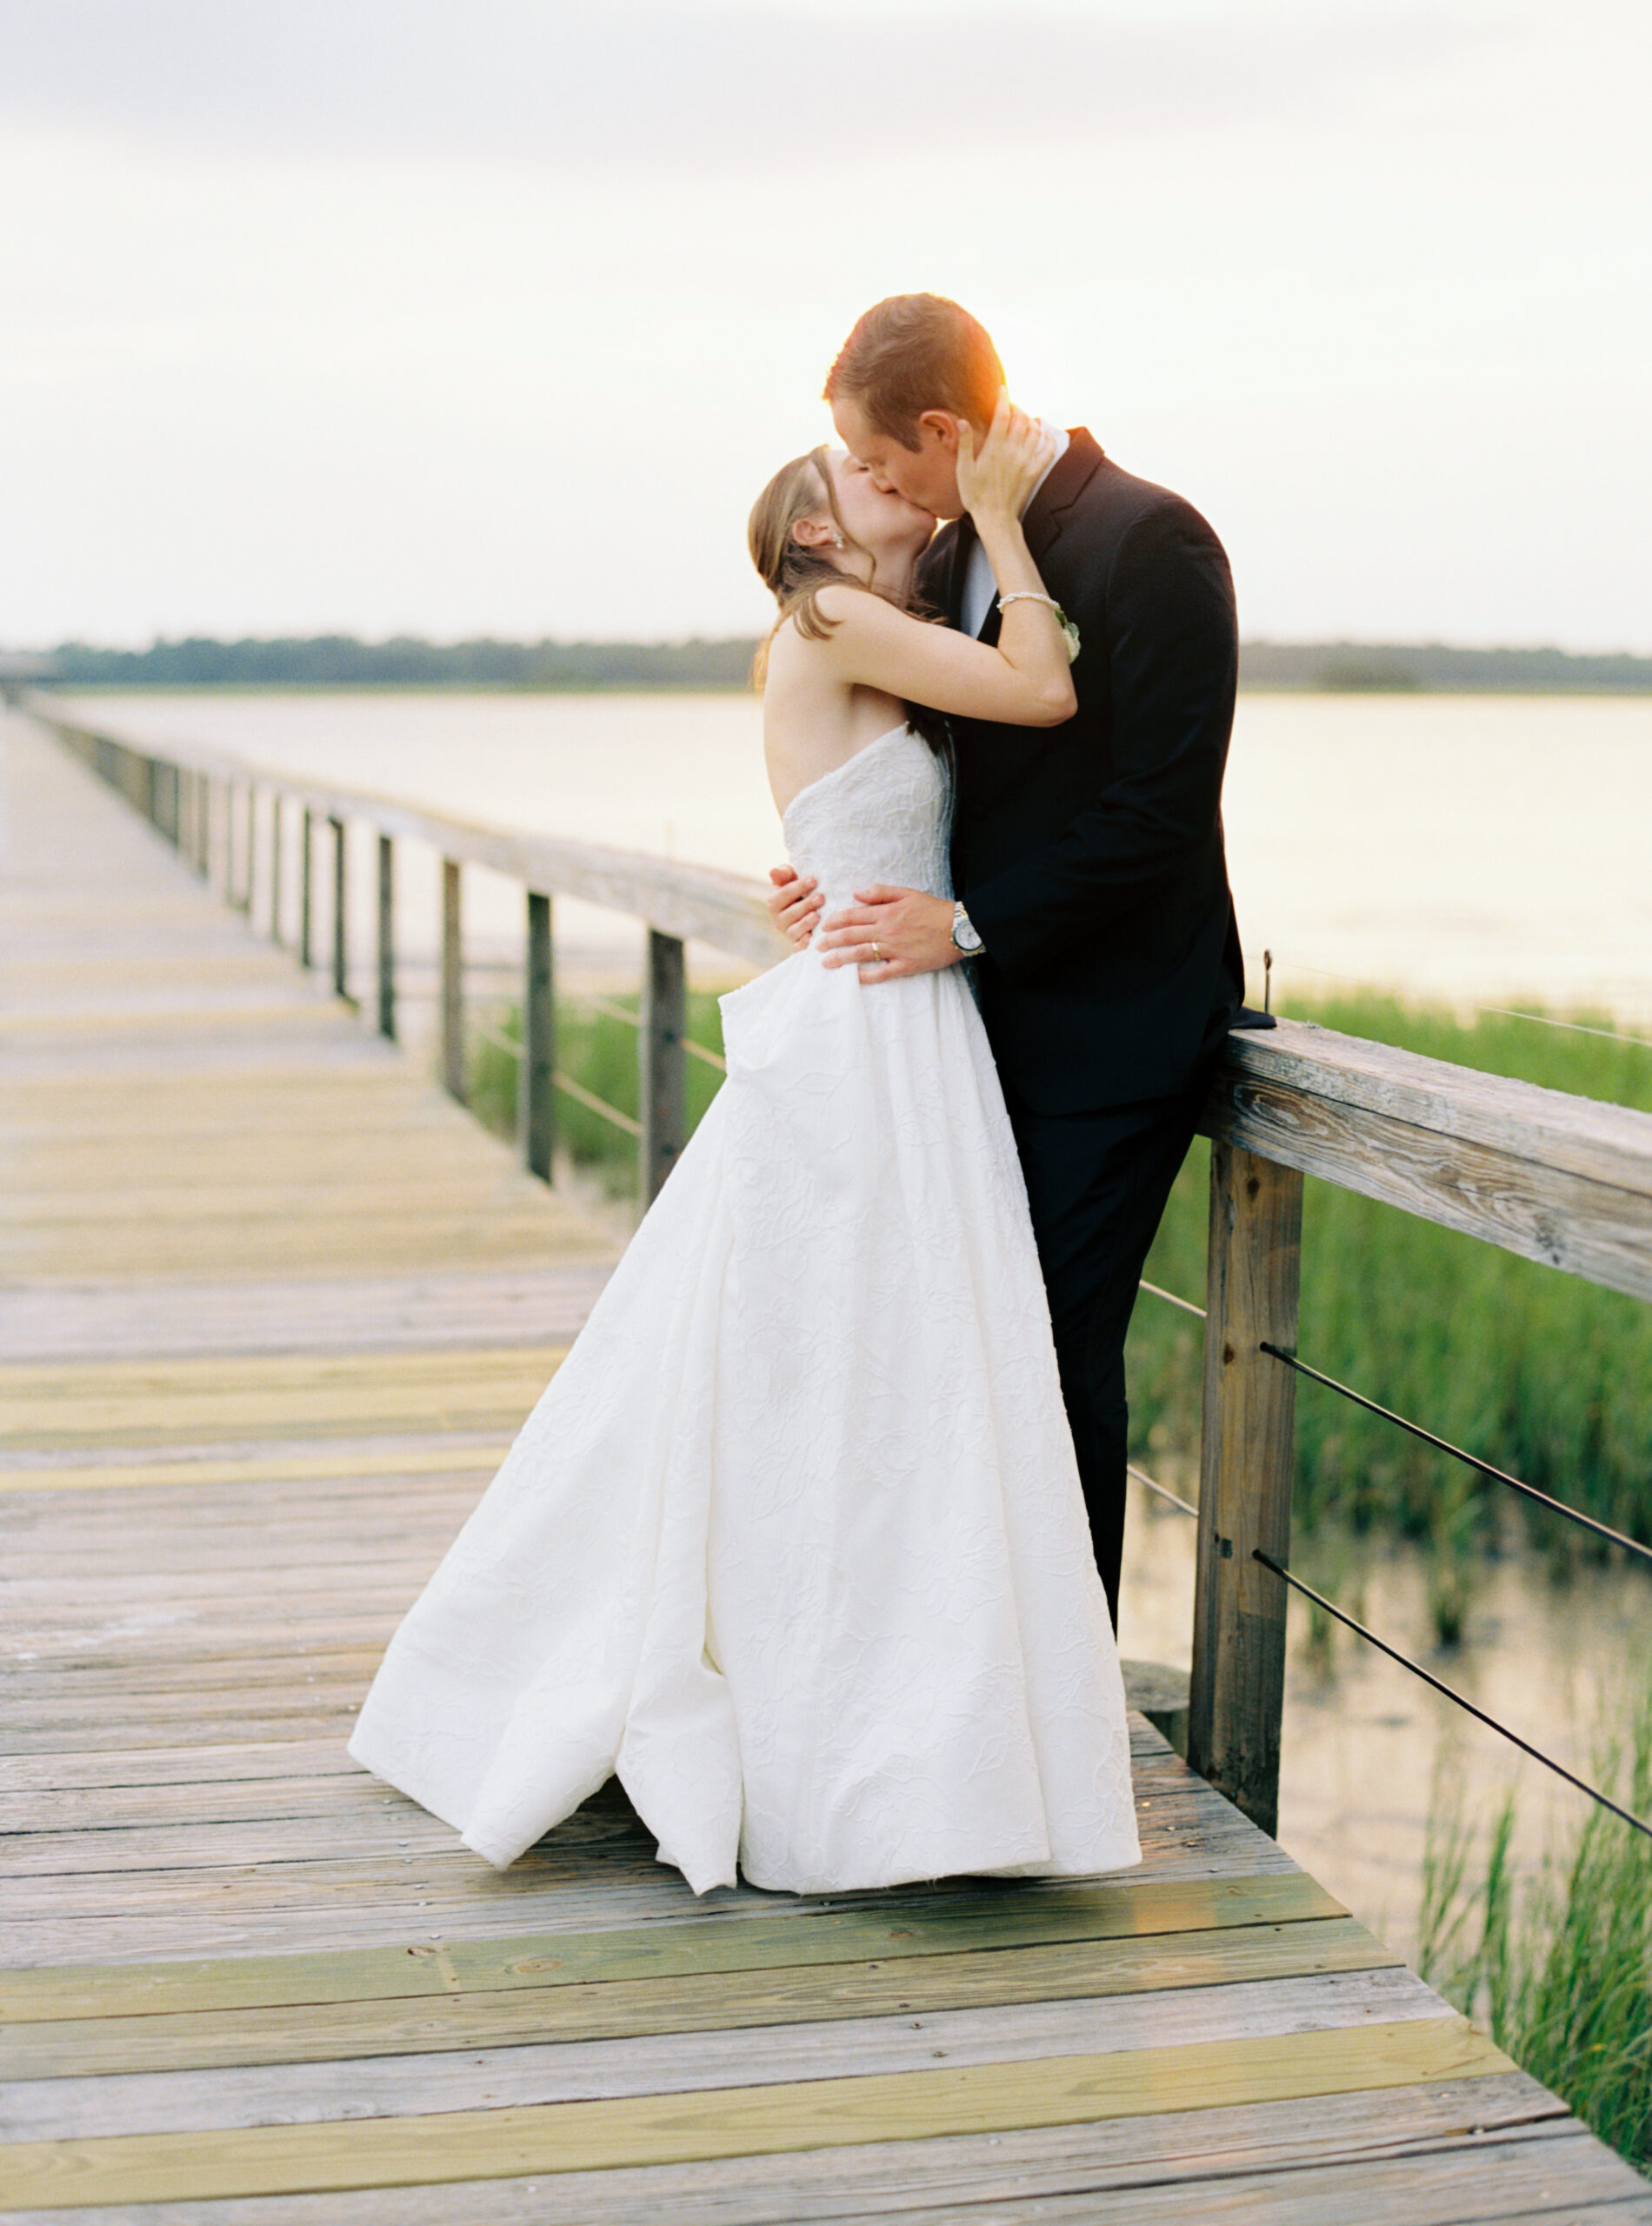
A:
{"x":273,"y":1308}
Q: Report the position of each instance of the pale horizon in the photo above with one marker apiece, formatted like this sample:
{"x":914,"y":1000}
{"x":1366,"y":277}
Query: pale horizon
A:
{"x":400,"y":320}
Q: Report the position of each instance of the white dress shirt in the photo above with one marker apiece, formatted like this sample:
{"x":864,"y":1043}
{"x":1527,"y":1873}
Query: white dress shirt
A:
{"x":980,"y":588}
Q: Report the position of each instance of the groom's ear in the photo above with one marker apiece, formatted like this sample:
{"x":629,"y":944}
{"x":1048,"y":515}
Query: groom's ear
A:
{"x":941,"y":426}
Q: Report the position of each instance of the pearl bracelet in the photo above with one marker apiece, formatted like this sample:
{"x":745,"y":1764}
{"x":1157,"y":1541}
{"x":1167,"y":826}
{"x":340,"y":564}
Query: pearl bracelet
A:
{"x":1070,"y":632}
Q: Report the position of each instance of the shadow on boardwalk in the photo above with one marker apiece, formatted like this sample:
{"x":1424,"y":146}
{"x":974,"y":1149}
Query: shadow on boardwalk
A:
{"x":274,"y":1309}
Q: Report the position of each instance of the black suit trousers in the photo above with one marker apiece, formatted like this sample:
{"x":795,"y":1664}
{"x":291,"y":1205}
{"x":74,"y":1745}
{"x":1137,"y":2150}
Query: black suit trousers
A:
{"x":1097,"y":1182}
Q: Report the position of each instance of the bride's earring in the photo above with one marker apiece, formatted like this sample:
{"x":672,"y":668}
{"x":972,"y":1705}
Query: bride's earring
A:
{"x":837,"y":541}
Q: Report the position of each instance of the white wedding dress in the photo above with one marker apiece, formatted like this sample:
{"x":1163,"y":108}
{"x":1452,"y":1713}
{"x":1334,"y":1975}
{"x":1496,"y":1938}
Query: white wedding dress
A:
{"x":794,"y":1542}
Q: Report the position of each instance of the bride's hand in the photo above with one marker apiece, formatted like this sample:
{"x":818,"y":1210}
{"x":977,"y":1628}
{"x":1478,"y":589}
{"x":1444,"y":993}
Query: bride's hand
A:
{"x":1010,"y":463}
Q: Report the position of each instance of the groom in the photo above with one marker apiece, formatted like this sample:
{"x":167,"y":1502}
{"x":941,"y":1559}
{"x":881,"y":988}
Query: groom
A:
{"x":1087,"y":858}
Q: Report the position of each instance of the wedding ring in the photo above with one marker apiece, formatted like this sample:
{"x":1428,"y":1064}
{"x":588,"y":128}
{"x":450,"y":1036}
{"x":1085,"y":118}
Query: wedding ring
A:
{"x":877,"y":955}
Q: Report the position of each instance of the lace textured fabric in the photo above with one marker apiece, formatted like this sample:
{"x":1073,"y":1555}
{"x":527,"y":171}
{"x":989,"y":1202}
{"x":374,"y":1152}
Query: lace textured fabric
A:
{"x":794,"y":1541}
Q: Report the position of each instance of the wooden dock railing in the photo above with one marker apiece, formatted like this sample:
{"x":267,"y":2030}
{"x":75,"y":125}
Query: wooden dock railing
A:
{"x":232,"y":819}
{"x":1561,"y":1180}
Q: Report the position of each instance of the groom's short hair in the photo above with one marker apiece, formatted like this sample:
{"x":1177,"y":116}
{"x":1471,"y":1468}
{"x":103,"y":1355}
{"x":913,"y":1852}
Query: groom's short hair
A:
{"x":915,"y":352}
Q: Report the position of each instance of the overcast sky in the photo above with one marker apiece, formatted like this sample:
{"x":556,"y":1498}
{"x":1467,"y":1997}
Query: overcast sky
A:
{"x":389,"y":315}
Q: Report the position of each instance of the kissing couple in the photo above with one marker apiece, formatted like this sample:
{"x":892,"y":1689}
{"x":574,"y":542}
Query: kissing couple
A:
{"x":814,"y":1539}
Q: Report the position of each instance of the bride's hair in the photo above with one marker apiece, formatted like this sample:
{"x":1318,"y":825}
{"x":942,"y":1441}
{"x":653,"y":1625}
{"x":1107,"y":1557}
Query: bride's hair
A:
{"x":794,"y":574}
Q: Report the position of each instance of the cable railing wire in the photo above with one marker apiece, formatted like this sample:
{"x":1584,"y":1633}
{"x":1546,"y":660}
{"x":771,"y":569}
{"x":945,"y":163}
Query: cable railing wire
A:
{"x":1271,"y":959}
{"x":1451,"y":1693}
{"x":1470,"y":1460}
{"x":1163,"y":1490}
{"x":610,"y":1010}
{"x":1171,"y":1299}
{"x":600,"y":1106}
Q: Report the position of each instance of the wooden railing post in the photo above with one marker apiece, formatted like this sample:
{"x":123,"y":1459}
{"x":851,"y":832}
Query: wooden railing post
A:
{"x":662,"y":1063}
{"x":387,"y":937}
{"x":307,"y":889}
{"x":226,"y":863}
{"x":201,"y":824}
{"x":244,"y":903}
{"x":536,"y":1092}
{"x":453,"y":980}
{"x":341,"y":912}
{"x":277,"y":813}
{"x":1238,"y":1687}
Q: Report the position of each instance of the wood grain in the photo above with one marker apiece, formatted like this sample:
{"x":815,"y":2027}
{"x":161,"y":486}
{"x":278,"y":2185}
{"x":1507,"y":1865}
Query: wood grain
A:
{"x":812,"y":2114}
{"x":1236,"y":1693}
{"x":1555,"y":1179}
{"x":1141,"y":2156}
{"x":512,"y":2063}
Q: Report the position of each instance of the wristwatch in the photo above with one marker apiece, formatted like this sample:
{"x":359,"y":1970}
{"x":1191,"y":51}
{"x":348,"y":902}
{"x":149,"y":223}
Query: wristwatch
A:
{"x":965,"y":935}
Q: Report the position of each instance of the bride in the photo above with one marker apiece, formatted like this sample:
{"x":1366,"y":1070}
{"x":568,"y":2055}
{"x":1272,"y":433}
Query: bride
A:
{"x":794,"y":1542}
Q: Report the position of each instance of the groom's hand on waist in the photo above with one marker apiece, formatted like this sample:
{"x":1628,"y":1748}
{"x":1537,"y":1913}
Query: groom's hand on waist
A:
{"x":887,"y":933}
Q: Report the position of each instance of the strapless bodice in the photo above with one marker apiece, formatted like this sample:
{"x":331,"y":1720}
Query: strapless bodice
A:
{"x":881,"y":815}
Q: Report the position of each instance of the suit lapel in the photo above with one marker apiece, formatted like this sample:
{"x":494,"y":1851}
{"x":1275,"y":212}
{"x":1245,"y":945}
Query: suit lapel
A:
{"x":1043,"y":525}
{"x":1047,"y":512}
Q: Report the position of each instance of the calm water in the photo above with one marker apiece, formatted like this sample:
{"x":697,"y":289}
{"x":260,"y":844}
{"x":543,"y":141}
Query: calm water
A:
{"x":1497,"y":848}
{"x":1469,"y":849}
{"x":1363,"y":1739}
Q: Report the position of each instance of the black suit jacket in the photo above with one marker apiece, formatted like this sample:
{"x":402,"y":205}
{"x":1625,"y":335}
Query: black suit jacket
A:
{"x":1090,"y":854}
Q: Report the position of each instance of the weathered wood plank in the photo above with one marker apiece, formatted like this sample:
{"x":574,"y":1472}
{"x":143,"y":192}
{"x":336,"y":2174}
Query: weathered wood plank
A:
{"x":208,"y":1864}
{"x":903,"y":1986}
{"x":1607,"y":1144}
{"x":336,"y":1800}
{"x":1236,"y":1692}
{"x":467,"y":1915}
{"x":233,"y":1763}
{"x":150,"y":1476}
{"x":1494,"y":2183}
{"x":320,"y":1371}
{"x":44,"y":1414}
{"x":813,"y":2113}
{"x":881,"y":2180}
{"x":202,"y":1765}
{"x":521,"y":2065}
{"x":544,"y":1305}
{"x":1553,"y":1178}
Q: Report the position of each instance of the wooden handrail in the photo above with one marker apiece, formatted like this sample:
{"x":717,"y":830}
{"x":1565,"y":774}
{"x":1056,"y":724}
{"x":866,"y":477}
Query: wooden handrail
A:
{"x":691,"y":902}
{"x":1566,"y":1181}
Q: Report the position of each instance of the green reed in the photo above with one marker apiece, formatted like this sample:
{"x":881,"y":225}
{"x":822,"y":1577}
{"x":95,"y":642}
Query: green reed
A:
{"x":1556,"y":1964}
{"x":1536,"y":1371}
{"x":599,"y":1053}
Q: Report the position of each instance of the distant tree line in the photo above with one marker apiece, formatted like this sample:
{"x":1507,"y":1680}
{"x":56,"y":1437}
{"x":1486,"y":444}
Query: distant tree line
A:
{"x":1382,"y":667}
{"x":341,"y":661}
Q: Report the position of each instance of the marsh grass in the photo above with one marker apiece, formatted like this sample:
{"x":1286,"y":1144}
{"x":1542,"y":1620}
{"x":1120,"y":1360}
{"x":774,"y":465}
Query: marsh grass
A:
{"x":600,"y":1054}
{"x":1538,"y":1372}
{"x":1555,"y":1965}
